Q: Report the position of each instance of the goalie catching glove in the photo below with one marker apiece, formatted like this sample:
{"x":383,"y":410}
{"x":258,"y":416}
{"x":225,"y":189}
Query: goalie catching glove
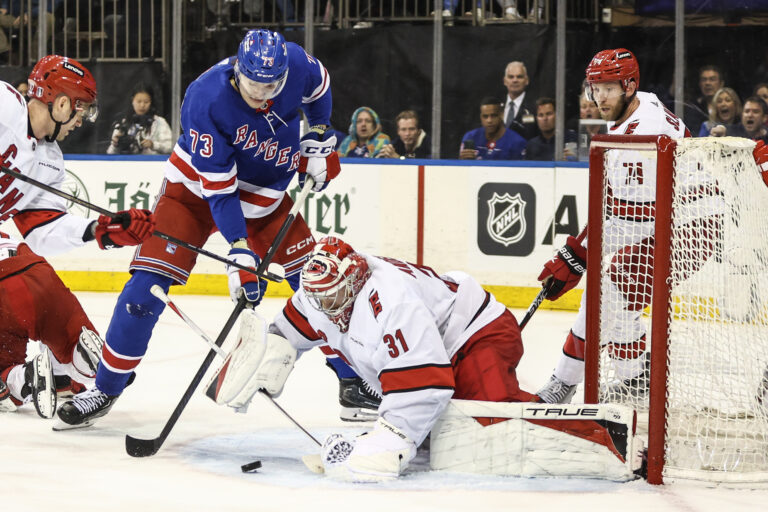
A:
{"x":318,"y":158}
{"x":259,"y":361}
{"x":240,"y":281}
{"x":564,"y":271}
{"x":379,"y":455}
{"x":127,"y":227}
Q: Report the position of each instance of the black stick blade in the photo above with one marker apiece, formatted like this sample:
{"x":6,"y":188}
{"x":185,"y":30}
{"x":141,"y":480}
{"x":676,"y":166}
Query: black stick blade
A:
{"x":141,"y":447}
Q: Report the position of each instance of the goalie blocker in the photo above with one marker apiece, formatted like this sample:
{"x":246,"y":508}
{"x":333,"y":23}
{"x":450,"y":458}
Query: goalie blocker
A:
{"x":537,"y":440}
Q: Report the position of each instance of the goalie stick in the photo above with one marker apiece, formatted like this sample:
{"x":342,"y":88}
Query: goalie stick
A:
{"x":160,"y":294}
{"x":542,"y":294}
{"x":136,"y":447}
{"x":181,"y":243}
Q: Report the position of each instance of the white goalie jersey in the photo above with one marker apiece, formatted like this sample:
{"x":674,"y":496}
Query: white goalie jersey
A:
{"x":41,"y":217}
{"x":407,"y":324}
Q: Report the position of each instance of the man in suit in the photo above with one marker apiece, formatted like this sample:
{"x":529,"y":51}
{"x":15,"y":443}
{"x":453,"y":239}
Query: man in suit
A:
{"x":519,"y":107}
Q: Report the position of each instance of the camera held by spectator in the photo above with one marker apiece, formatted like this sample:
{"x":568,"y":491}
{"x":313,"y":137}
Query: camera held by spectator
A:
{"x":127,"y":133}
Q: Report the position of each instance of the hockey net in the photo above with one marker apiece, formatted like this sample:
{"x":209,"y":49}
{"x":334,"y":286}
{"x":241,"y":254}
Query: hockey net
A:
{"x":676,"y":282}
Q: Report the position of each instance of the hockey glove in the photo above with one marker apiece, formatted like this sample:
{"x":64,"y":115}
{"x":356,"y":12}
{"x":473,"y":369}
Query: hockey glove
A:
{"x":240,"y":281}
{"x":318,"y":158}
{"x":760,"y":154}
{"x":379,"y":455}
{"x":127,"y":227}
{"x":564,"y":271}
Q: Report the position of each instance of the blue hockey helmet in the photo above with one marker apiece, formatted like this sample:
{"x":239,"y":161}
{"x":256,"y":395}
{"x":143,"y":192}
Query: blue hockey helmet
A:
{"x":262,"y":63}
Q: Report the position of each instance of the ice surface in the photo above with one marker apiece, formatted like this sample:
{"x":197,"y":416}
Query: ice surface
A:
{"x":198,"y":468}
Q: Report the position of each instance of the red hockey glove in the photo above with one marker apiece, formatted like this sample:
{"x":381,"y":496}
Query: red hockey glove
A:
{"x":128,"y":227}
{"x":761,"y":159}
{"x":564,"y":271}
{"x":318,"y":159}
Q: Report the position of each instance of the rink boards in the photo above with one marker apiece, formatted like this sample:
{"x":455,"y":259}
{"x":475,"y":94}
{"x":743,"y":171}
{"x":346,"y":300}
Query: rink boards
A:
{"x":497,"y":221}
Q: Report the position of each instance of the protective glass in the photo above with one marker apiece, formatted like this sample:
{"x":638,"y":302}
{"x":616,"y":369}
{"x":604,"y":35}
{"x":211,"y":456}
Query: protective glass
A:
{"x":603,"y":91}
{"x":261,"y":90}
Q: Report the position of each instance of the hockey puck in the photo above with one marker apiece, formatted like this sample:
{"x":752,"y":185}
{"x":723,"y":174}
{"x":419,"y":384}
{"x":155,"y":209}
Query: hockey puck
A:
{"x":250,"y":468}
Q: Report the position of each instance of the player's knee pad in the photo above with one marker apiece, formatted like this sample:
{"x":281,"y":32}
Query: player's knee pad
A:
{"x":136,"y":313}
{"x":631,"y":270}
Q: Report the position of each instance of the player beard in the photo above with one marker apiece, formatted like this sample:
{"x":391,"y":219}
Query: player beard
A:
{"x":617,"y":111}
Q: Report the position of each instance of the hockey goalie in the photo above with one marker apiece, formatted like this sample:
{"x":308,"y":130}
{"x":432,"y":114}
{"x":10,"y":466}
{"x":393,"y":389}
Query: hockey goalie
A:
{"x":442,"y":353}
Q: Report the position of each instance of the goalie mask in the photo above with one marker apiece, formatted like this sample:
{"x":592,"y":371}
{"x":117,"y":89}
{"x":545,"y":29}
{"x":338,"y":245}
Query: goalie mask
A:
{"x":619,"y":65}
{"x":332,"y":278}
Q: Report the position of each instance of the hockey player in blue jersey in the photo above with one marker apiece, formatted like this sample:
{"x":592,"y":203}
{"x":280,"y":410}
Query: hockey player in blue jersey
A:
{"x":239,"y":150}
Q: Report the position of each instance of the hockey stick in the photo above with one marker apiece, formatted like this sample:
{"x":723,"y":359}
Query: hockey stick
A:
{"x":160,"y":294}
{"x":543,"y":293}
{"x":145,"y":447}
{"x":181,"y":243}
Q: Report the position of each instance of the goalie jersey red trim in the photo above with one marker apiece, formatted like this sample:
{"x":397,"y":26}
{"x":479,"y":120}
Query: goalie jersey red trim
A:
{"x":403,"y":380}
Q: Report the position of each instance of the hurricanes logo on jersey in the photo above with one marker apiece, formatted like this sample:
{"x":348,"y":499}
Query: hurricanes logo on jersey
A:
{"x":373,"y":300}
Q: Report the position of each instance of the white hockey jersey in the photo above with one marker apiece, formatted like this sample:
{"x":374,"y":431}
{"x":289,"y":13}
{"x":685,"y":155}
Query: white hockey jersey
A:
{"x":632,"y":174}
{"x":41,"y":217}
{"x":406,"y":324}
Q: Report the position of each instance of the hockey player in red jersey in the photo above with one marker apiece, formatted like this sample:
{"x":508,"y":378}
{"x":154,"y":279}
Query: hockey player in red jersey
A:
{"x":36,"y":305}
{"x":62,"y":95}
{"x":417,"y":338}
{"x":613,"y":78}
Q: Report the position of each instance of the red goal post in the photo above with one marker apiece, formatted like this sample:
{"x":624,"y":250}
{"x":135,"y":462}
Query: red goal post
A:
{"x":700,"y":232}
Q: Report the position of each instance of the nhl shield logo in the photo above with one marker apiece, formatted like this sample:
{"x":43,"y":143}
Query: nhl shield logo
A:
{"x":506,"y":218}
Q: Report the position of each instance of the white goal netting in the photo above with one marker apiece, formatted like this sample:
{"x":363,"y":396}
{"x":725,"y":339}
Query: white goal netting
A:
{"x":716,"y":425}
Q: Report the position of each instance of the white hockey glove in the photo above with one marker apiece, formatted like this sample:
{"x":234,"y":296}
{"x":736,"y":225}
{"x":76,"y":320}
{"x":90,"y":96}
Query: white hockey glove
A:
{"x":318,"y":158}
{"x":260,"y":360}
{"x":376,"y":456}
{"x":240,"y":281}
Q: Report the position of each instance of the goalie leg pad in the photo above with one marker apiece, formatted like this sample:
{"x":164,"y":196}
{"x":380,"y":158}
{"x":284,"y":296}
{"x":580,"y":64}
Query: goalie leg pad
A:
{"x":531,"y":440}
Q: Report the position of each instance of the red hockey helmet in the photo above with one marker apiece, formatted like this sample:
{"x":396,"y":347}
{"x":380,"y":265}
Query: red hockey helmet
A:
{"x":332,"y":278}
{"x":55,"y":75}
{"x":619,"y":65}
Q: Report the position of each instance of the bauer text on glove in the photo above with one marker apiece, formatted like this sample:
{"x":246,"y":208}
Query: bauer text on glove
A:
{"x":564,"y":271}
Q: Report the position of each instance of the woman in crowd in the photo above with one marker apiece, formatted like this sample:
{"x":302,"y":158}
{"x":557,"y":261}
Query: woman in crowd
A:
{"x":725,"y":110}
{"x":141,"y":131}
{"x":365,"y":139}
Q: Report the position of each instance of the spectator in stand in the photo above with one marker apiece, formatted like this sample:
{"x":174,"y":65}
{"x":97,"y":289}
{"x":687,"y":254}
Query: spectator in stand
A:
{"x":519,"y":107}
{"x":753,"y":119}
{"x":11,"y":17}
{"x":365,"y":139}
{"x":725,"y":110}
{"x":542,"y":147}
{"x":411,"y":142}
{"x":141,"y":131}
{"x":23,"y":87}
{"x":761,"y":90}
{"x":710,"y":81}
{"x":492,"y":141}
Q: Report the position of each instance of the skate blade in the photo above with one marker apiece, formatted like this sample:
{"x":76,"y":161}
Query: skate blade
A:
{"x":60,"y":426}
{"x":356,"y":414}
